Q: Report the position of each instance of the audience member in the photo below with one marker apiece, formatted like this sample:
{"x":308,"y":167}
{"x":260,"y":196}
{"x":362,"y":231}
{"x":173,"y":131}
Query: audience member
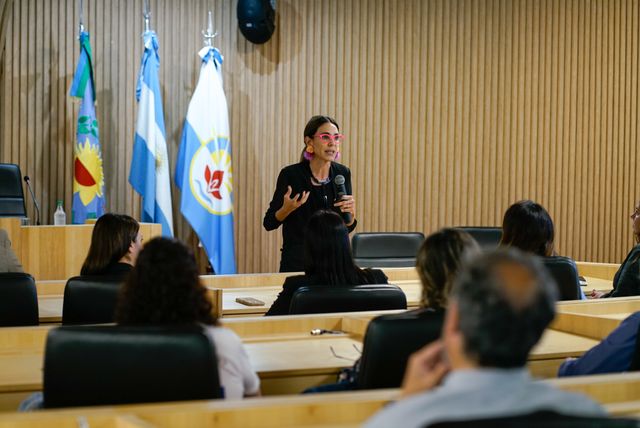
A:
{"x":626,"y":282}
{"x":500,"y":305}
{"x":328,"y":261}
{"x":115,"y":243}
{"x":437,"y":263}
{"x":528,"y":226}
{"x":164,"y":288}
{"x":613,"y":355}
{"x":8,"y":260}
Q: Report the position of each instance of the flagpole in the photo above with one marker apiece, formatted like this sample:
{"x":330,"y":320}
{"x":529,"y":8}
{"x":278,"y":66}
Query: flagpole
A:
{"x":146,"y":14}
{"x":81,"y":23}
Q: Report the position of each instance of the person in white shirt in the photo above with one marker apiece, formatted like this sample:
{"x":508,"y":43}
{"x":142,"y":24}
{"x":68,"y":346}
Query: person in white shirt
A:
{"x":500,"y":304}
{"x":164,"y":288}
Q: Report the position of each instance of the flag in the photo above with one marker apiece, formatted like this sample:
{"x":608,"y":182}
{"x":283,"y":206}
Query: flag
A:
{"x":88,"y":177}
{"x":203,"y":169}
{"x":149,"y":173}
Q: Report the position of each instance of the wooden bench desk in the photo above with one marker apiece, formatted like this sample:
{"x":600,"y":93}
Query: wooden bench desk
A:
{"x":618,"y":393}
{"x":50,"y":305}
{"x":285,"y":355}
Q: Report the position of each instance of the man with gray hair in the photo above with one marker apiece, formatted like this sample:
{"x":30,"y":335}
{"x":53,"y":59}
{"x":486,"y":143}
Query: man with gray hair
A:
{"x":500,"y":304}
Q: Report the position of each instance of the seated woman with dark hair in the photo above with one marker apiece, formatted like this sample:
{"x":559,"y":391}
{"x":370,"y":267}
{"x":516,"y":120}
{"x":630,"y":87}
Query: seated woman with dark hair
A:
{"x":527,"y":226}
{"x":327,"y":261}
{"x":164,"y":288}
{"x":115,"y":243}
{"x":438,"y":262}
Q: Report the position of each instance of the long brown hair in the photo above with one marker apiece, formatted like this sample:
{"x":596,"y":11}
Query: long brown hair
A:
{"x":110,"y":241}
{"x":438,"y":262}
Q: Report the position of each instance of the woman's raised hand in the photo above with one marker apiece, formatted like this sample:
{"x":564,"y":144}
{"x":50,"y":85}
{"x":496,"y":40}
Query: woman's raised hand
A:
{"x":290,"y":204}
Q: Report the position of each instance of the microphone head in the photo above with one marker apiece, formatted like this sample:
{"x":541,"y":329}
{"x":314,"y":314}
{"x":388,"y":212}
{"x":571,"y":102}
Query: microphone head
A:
{"x":26,"y":178}
{"x":339,"y":180}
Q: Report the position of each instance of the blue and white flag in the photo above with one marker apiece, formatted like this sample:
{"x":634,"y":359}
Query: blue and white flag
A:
{"x":88,"y":176}
{"x":203,"y":169}
{"x":149,"y":173}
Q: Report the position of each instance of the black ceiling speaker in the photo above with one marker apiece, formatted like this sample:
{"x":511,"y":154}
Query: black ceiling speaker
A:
{"x":257,"y":19}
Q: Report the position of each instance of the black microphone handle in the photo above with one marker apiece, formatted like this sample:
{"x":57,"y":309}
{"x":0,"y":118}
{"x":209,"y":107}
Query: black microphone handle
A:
{"x":346,"y":216}
{"x":33,"y":196}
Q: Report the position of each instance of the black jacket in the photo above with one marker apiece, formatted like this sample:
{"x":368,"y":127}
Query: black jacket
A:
{"x":627,"y":279}
{"x":292,"y":283}
{"x":298,"y":176}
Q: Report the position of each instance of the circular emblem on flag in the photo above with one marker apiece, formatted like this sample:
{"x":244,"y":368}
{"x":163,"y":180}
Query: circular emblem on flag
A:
{"x":88,"y":178}
{"x":210,"y":176}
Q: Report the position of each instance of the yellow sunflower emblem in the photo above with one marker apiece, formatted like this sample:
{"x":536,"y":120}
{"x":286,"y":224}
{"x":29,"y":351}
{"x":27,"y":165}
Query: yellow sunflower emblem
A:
{"x":88,"y":178}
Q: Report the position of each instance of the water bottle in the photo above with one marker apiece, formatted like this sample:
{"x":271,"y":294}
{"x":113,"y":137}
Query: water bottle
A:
{"x":59,"y":217}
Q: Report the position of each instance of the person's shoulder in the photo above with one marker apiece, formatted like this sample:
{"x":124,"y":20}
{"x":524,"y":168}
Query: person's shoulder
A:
{"x":4,"y":236}
{"x":340,"y":168}
{"x":224,"y":338}
{"x":376,"y":275}
{"x":294,"y":168}
{"x":571,"y":403}
{"x":295,"y":281}
{"x":410,"y":410}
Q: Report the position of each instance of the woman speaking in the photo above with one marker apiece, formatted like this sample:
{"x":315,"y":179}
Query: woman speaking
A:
{"x":316,"y":182}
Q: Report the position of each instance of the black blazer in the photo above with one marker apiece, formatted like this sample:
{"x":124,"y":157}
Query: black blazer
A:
{"x":626,"y":282}
{"x":292,"y":283}
{"x":298,"y":176}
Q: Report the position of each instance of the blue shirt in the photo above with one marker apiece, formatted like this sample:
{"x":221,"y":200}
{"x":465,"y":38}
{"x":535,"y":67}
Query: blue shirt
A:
{"x":482,"y":393}
{"x":612,"y":355}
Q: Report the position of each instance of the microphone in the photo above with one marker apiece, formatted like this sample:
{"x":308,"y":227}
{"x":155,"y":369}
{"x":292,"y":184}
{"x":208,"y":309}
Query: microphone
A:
{"x":35,"y":202}
{"x":342,"y":191}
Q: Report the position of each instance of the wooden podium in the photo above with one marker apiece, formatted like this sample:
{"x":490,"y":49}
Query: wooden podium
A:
{"x":56,"y":252}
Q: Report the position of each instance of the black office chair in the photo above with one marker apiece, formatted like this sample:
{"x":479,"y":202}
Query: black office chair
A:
{"x":386,"y":249}
{"x":565,"y":273}
{"x":90,"y":299}
{"x":100,"y":365}
{"x":18,"y":299}
{"x":390,"y":340}
{"x":11,"y":193}
{"x":327,"y":299}
{"x":486,"y":237}
{"x":542,"y":419}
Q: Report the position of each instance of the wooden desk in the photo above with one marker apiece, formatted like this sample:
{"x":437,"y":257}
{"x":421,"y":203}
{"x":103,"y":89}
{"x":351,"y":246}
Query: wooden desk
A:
{"x":50,"y":305}
{"x":618,"y":393}
{"x":56,"y":252}
{"x":283,"y":352}
{"x":595,"y":318}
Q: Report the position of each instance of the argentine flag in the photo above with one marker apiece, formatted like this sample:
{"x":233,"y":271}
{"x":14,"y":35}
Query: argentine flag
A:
{"x":203,"y":169}
{"x":149,"y":173}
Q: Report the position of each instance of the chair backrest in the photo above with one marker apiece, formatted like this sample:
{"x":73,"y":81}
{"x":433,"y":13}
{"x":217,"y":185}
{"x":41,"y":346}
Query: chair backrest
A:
{"x":542,"y":419}
{"x":90,"y":299}
{"x":386,"y":249}
{"x":326,"y":299}
{"x":486,"y":237}
{"x":565,"y":273}
{"x":99,"y":365}
{"x":18,"y":299}
{"x":390,"y":340}
{"x":11,"y":193}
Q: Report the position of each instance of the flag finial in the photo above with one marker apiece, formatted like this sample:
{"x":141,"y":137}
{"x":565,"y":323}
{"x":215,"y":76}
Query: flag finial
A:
{"x":146,"y":14}
{"x":81,"y":21}
{"x":209,"y":35}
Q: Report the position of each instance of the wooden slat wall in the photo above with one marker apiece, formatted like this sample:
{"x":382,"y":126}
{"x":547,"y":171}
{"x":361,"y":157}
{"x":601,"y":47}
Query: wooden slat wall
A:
{"x":453,"y":108}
